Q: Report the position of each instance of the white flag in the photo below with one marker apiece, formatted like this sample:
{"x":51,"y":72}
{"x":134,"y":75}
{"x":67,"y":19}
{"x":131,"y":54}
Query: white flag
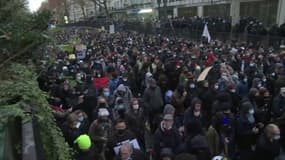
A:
{"x":112,"y":29}
{"x":206,"y":33}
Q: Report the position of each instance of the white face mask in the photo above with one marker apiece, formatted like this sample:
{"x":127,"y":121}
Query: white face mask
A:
{"x":273,"y":74}
{"x":216,"y":87}
{"x":276,"y":137}
{"x":135,"y":106}
{"x":282,"y":91}
{"x":197,"y":113}
{"x":233,"y":90}
{"x":251,"y":111}
{"x":77,"y":125}
{"x":192,"y":85}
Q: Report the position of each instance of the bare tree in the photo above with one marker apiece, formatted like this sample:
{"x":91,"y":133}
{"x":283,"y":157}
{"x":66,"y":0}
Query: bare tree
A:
{"x":103,"y":4}
{"x":66,"y":6}
{"x":82,"y":4}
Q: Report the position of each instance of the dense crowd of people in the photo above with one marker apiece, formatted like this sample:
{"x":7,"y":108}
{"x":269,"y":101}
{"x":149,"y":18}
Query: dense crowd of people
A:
{"x":248,"y":25}
{"x":130,"y":96}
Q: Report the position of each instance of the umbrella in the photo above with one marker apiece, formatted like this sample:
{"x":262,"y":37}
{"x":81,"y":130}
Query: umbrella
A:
{"x":204,"y":74}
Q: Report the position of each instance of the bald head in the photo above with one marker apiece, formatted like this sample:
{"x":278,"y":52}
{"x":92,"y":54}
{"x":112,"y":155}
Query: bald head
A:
{"x":271,"y":131}
{"x":126,"y":151}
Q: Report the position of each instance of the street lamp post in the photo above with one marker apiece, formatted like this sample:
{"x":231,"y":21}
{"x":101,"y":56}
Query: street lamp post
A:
{"x":158,"y":3}
{"x":164,"y":8}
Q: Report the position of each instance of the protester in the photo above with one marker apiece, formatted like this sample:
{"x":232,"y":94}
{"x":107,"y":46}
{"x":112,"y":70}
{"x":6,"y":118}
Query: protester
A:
{"x":86,"y":150}
{"x":150,"y":89}
{"x":127,"y":152}
{"x":268,"y":145}
{"x":166,"y":136}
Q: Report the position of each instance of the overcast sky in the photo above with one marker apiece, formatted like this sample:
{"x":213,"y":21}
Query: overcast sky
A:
{"x":34,"y":5}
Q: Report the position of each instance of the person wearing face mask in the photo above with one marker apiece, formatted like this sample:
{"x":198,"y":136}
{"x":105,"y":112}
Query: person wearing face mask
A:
{"x":136,"y":117}
{"x":234,"y":97}
{"x":83,"y":120}
{"x":123,"y":92}
{"x":100,"y":130}
{"x":246,"y":131}
{"x":136,"y":120}
{"x":106,"y":93}
{"x":102,"y":103}
{"x":125,"y":80}
{"x":120,"y":135}
{"x":114,"y":83}
{"x":178,"y":99}
{"x":278,"y":107}
{"x":166,"y":136}
{"x":120,"y":110}
{"x":223,"y":122}
{"x":191,"y":92}
{"x":242,"y":87}
{"x":72,"y":128}
{"x":268,"y":145}
{"x":206,"y":94}
{"x":223,"y":80}
{"x":153,"y":102}
{"x":193,"y":115}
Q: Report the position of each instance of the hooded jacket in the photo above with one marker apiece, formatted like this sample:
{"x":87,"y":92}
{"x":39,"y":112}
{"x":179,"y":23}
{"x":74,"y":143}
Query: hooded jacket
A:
{"x":164,"y":138}
{"x":152,"y":99}
{"x":127,"y":97}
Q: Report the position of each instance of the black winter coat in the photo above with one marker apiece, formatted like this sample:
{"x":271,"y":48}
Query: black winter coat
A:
{"x":265,"y":149}
{"x":166,"y":139}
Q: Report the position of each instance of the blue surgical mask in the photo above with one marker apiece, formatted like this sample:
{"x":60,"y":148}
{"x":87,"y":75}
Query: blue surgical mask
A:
{"x":81,"y":118}
{"x":106,"y":94}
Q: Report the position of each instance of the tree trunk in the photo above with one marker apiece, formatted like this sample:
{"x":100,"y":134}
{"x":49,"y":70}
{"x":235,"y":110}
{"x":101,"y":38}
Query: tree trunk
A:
{"x":66,"y":9}
{"x":106,"y":10}
{"x":83,"y":12}
{"x":95,"y":6}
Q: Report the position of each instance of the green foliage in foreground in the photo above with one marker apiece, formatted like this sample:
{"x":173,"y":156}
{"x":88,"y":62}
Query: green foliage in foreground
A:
{"x":20,"y":31}
{"x":19,"y":89}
